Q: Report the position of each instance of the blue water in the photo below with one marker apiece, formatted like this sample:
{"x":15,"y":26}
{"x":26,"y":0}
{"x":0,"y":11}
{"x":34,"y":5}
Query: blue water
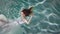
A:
{"x":46,"y":19}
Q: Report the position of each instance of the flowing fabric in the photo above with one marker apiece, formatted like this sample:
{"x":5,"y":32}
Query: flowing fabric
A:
{"x":12,"y":27}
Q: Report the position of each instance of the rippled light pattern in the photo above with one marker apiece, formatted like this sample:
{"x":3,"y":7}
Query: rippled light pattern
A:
{"x":46,"y":18}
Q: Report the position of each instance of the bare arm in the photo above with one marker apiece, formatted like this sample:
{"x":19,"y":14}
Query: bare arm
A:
{"x":24,"y":19}
{"x":31,"y":15}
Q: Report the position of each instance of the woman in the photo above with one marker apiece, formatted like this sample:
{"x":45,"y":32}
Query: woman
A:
{"x":25,"y":13}
{"x":11,"y":26}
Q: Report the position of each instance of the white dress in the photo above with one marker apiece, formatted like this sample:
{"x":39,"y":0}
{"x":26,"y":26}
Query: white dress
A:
{"x":19,"y":21}
{"x":12,"y":27}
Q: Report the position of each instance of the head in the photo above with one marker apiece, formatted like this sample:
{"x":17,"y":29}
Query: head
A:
{"x":27,"y":12}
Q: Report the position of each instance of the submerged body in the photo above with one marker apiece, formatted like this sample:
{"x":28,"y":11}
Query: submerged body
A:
{"x":12,"y":26}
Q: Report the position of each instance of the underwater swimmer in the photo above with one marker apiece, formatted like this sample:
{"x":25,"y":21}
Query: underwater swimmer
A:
{"x":24,"y":14}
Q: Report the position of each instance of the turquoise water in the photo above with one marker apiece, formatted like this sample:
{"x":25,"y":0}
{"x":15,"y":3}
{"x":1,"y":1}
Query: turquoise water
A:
{"x":46,"y":19}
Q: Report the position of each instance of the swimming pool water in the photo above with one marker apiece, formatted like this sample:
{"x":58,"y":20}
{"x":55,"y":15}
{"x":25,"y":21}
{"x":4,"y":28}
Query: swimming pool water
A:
{"x":46,"y":19}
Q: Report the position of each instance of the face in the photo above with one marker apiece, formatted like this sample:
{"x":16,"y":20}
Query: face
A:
{"x":23,"y":14}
